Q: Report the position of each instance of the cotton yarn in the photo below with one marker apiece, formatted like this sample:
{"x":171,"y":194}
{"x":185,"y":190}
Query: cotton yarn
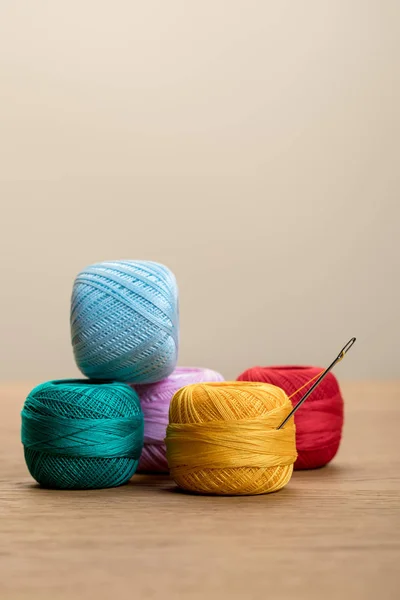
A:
{"x":155,"y":399}
{"x":79,"y":434}
{"x":124,"y":321}
{"x":319,"y":422}
{"x":222,"y":438}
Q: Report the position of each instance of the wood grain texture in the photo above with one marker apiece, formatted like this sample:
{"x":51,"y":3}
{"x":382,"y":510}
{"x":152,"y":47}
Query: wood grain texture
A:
{"x":331,"y":533}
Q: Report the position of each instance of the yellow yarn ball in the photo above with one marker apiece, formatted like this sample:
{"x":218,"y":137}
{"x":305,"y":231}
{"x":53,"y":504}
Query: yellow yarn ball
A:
{"x":222,"y":438}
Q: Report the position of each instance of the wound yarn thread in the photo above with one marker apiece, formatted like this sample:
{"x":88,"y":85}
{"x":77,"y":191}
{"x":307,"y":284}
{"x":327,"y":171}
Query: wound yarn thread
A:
{"x":79,"y":435}
{"x":222,"y":438}
{"x":319,"y":423}
{"x":125,"y":321}
{"x":155,"y":400}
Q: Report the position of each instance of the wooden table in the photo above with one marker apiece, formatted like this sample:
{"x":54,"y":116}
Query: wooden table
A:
{"x":331,"y":533}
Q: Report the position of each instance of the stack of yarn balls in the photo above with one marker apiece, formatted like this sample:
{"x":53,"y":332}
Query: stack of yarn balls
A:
{"x":125,"y":329}
{"x":136,"y":410}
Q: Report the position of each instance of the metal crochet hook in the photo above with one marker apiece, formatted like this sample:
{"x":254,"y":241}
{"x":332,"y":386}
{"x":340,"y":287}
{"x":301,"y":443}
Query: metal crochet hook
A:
{"x":339,"y":357}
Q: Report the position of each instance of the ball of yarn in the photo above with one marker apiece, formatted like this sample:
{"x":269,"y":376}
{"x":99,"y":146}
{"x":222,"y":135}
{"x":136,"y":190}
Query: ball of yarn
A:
{"x":319,"y":422}
{"x":155,"y":399}
{"x":124,"y":321}
{"x":222,"y":438}
{"x":77,"y":434}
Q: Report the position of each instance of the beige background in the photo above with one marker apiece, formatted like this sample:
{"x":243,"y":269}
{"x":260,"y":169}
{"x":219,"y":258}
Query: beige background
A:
{"x":252,"y":146}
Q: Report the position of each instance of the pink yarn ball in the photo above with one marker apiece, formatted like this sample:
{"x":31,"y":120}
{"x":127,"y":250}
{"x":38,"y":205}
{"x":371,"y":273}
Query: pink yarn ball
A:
{"x":155,"y":399}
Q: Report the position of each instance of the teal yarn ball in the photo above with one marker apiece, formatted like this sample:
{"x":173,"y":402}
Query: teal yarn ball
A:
{"x":80,"y":434}
{"x":125,"y":321}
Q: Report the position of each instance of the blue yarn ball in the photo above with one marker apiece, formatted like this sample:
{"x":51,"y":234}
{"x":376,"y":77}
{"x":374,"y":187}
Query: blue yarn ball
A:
{"x":79,"y":434}
{"x":125,"y":321}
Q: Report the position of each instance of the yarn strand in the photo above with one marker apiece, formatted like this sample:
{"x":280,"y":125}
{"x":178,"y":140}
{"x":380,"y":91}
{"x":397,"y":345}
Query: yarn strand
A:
{"x":305,"y":385}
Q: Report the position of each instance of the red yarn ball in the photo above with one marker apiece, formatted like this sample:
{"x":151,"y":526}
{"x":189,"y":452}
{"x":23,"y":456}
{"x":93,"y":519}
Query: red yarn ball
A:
{"x":319,"y":422}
